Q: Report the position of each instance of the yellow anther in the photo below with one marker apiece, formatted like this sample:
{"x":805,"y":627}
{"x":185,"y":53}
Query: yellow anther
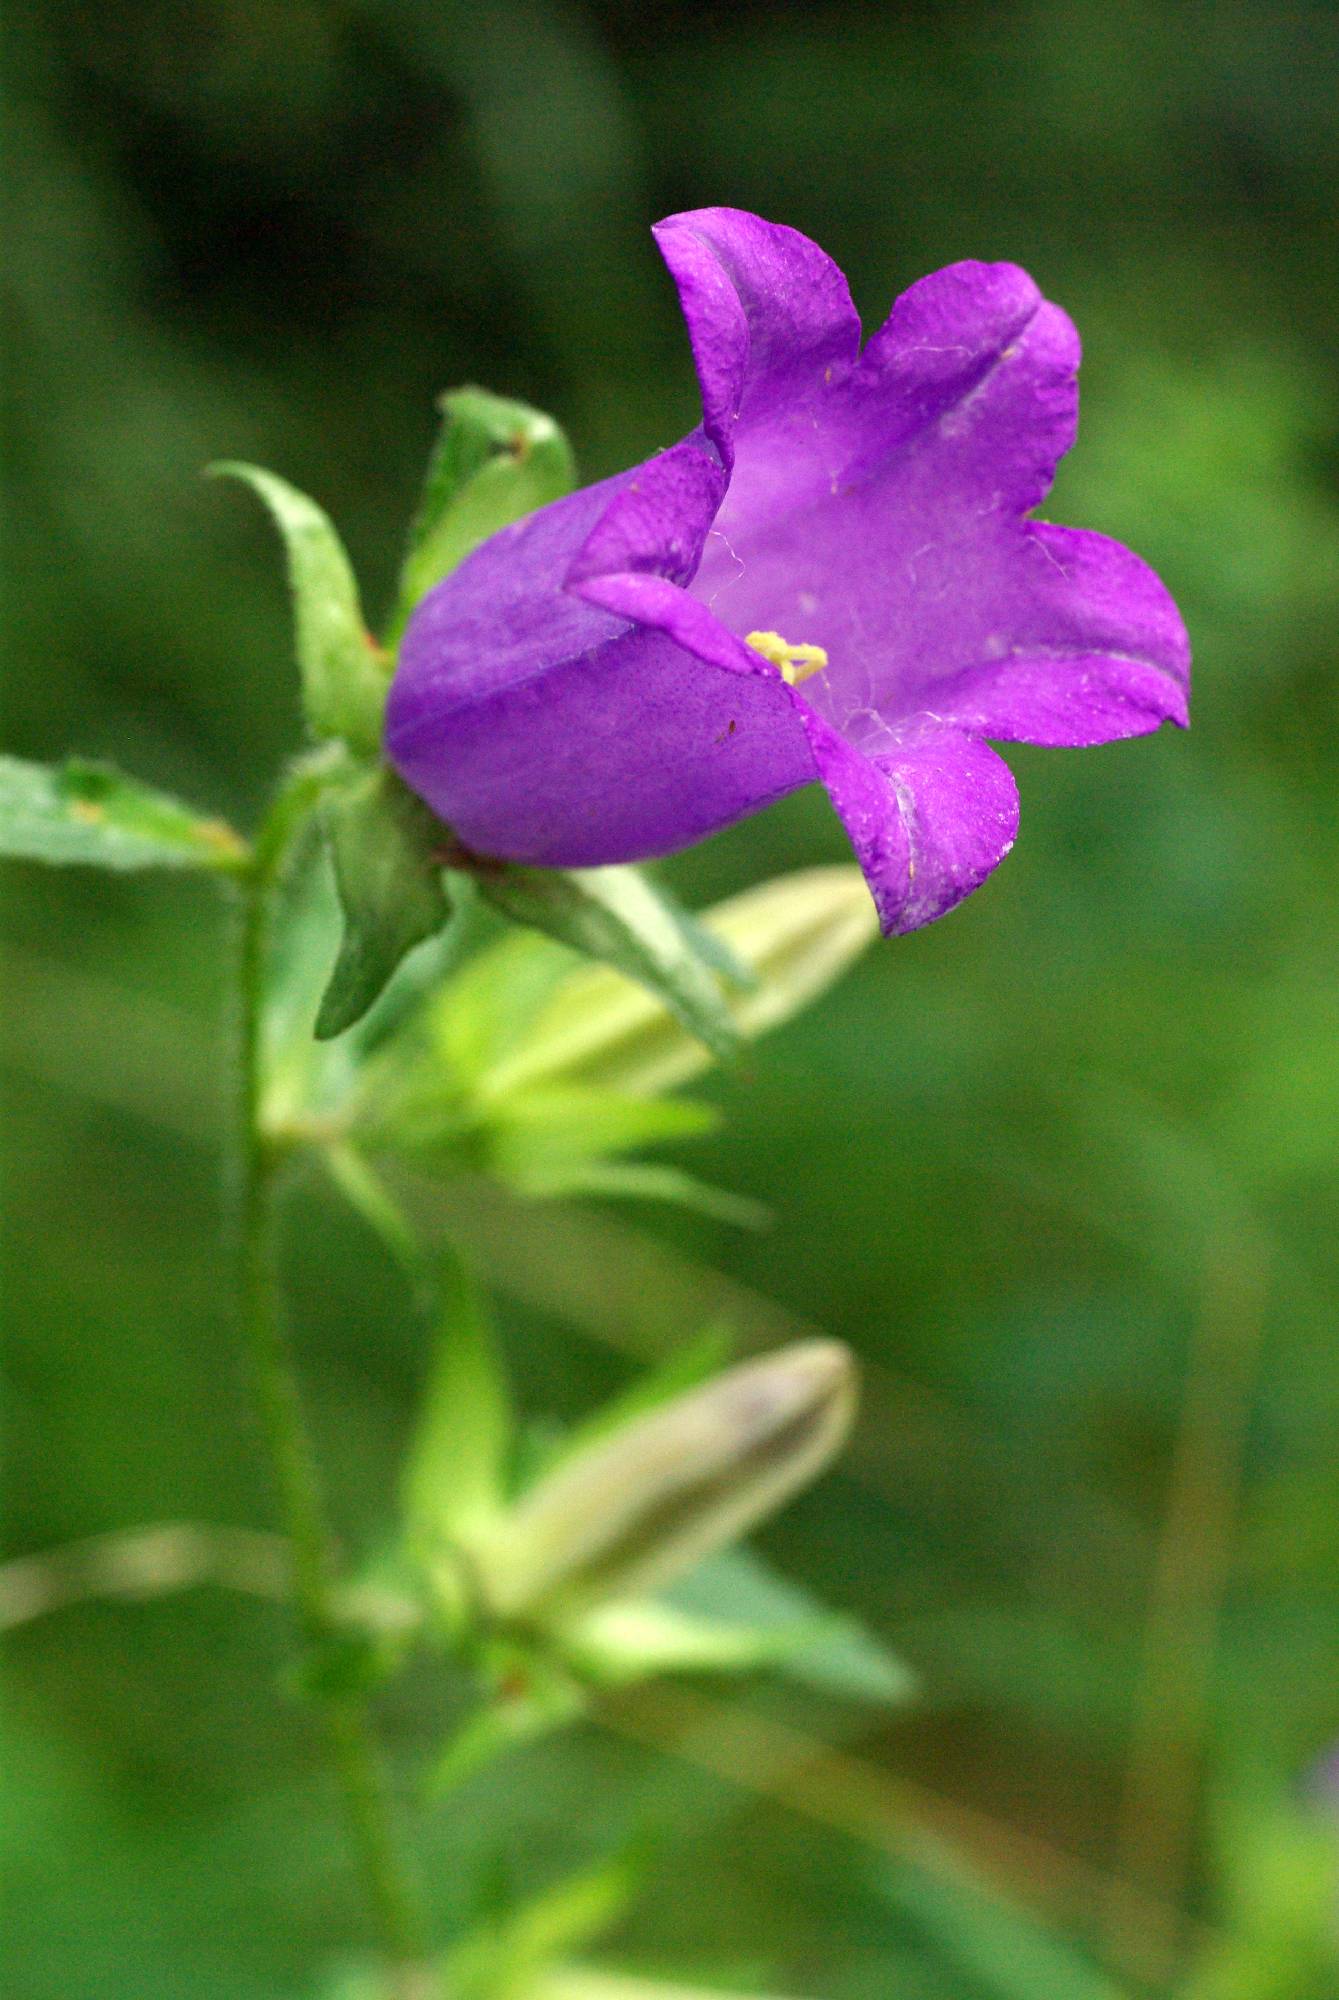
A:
{"x":796,"y":662}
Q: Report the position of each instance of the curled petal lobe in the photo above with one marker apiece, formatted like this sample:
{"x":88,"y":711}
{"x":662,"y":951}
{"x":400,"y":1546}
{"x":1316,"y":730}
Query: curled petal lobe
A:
{"x":656,"y":605}
{"x":769,"y":316}
{"x":1098,"y":650}
{"x":647,"y":544}
{"x":928,"y":818}
{"x":657,"y":518}
{"x":974,"y":361}
{"x":959,"y":804}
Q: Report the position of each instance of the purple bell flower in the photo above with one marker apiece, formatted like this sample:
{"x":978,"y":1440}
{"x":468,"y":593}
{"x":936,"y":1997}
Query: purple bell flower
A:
{"x":834,"y":577}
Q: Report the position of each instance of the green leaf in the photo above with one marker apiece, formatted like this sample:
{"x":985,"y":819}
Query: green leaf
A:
{"x":764,"y":1622}
{"x":506,"y":1958}
{"x":635,"y":1639}
{"x":573,"y":1913}
{"x":1005,"y":1951}
{"x":547,"y":1702}
{"x":390,"y":887}
{"x":590,"y":1982}
{"x":424,"y":1090}
{"x":455,"y":1475}
{"x":538,"y":1137}
{"x":617,"y":915}
{"x":485,"y":1009}
{"x":637,"y":1180}
{"x":494,"y":461}
{"x":344,"y":673}
{"x":82,"y":812}
{"x":794,"y":1632}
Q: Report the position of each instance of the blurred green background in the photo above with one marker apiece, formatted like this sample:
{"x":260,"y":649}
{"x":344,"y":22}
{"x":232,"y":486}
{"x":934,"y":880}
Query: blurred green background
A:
{"x":1063,"y":1168}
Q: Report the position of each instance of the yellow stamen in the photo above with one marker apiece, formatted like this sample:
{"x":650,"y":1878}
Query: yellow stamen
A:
{"x":796,"y":662}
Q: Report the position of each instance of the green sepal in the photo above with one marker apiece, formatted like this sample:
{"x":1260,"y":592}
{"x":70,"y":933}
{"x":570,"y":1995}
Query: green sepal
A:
{"x":331,"y":1089}
{"x":647,"y":1180}
{"x":638,"y":1639}
{"x":770,"y":1624}
{"x":390,"y":889}
{"x":455,"y":1474}
{"x":617,"y":915}
{"x":494,"y":461}
{"x":796,"y":1634}
{"x":344,"y":673}
{"x":85,"y":813}
{"x":508,"y":1955}
{"x":541,"y":1140}
{"x":535,"y":1700}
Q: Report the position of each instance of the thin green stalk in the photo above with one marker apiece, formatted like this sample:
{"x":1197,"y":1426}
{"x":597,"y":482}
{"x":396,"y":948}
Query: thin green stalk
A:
{"x":1155,"y":1831}
{"x":392,"y":1890}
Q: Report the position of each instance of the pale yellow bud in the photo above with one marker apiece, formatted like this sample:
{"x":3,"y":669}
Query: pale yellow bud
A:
{"x":629,"y":1511}
{"x":796,"y":934}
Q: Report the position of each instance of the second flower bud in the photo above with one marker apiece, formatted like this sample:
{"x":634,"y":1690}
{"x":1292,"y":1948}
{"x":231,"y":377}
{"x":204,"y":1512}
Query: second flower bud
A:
{"x":628,"y":1512}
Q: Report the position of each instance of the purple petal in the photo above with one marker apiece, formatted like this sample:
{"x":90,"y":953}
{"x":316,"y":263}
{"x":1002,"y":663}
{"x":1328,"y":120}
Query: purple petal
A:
{"x":1098,"y":651}
{"x":630,"y":751}
{"x":769,"y":316}
{"x":634,"y":560}
{"x":658,"y":517}
{"x":655,"y":605}
{"x":502,"y":617}
{"x":914,"y":568}
{"x":928,"y":819}
{"x":544,"y":728}
{"x":976,"y":362}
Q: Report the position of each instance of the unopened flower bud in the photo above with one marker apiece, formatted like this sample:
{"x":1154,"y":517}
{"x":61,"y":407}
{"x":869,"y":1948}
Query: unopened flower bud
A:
{"x":632,"y":1510}
{"x":796,"y":935}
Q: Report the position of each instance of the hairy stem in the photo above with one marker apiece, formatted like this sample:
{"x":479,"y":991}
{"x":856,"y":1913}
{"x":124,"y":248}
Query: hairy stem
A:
{"x":391,"y":1889}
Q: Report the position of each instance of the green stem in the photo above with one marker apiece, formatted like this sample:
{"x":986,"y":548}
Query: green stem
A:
{"x":392,"y":1891}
